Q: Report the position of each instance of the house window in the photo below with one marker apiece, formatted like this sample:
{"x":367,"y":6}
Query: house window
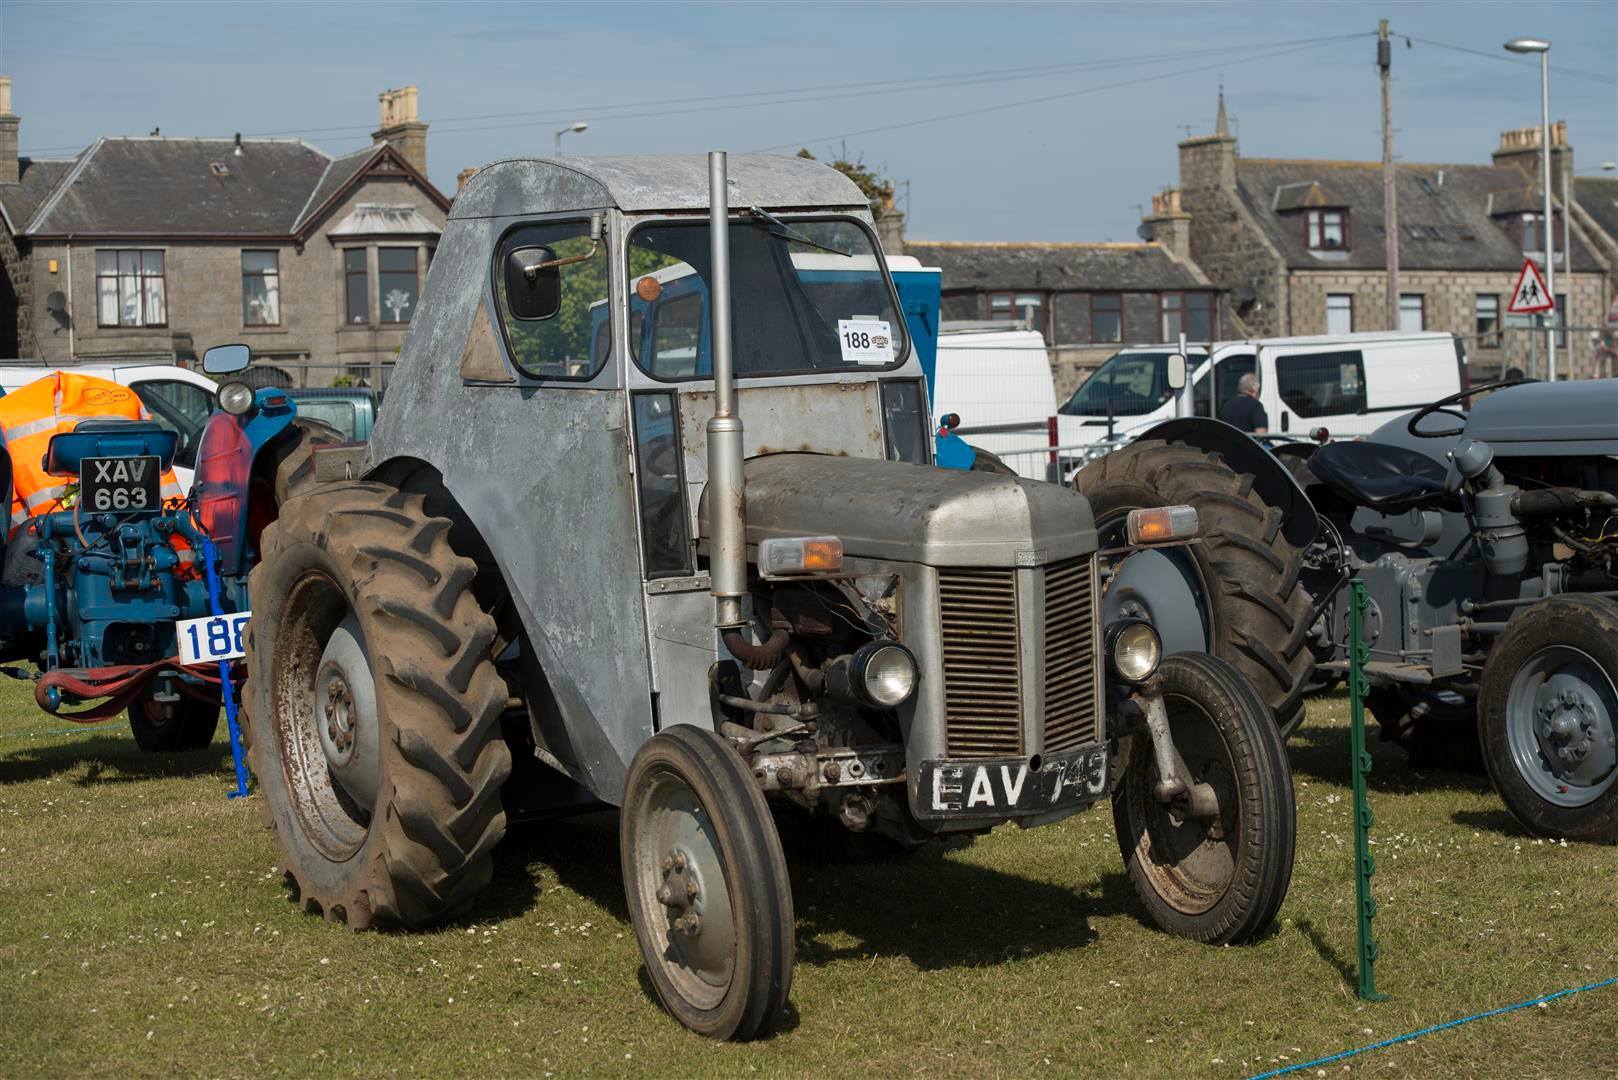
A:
{"x":1328,"y":230}
{"x":261,"y":288}
{"x":1486,"y":309}
{"x":1533,"y":236}
{"x":1411,"y":315}
{"x":355,"y":282}
{"x":1106,"y":317}
{"x":1339,"y":313}
{"x":1192,"y":312}
{"x":396,"y":283}
{"x":1028,"y":307}
{"x":1173,"y":323}
{"x":130,"y":290}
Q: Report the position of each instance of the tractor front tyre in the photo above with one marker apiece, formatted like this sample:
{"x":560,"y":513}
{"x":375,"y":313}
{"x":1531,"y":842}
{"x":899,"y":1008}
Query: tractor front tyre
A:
{"x":164,"y":727}
{"x":1218,"y":879}
{"x":707,"y":885}
{"x":1548,"y":718}
{"x":1244,"y":573}
{"x":375,"y":707}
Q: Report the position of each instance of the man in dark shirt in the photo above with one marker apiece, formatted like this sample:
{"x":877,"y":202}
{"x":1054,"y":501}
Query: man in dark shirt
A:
{"x":1243,"y":411}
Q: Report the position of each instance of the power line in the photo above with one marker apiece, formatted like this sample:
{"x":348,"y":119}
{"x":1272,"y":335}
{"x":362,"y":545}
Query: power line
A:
{"x":907,"y":85}
{"x":1223,"y":63}
{"x":1574,"y":72}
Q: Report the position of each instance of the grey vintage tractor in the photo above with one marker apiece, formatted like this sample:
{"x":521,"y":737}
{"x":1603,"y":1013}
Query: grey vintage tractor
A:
{"x":562,"y":575}
{"x":1488,"y":542}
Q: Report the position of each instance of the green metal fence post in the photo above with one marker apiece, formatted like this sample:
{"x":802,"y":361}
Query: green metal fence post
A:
{"x":1364,"y":865}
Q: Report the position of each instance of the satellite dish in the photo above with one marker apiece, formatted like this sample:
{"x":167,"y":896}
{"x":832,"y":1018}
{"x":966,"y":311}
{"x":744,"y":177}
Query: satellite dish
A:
{"x":1146,"y":231}
{"x":56,"y":303}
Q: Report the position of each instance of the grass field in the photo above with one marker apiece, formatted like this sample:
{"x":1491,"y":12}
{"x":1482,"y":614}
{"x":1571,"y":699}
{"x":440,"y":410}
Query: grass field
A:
{"x":145,"y":932}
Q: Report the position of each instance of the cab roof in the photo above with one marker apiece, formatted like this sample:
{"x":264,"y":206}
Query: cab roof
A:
{"x":646,"y":183}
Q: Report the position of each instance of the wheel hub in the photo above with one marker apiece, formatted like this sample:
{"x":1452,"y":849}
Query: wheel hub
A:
{"x":1567,"y":724}
{"x":345,"y":716}
{"x":1562,"y":726}
{"x":680,"y":892}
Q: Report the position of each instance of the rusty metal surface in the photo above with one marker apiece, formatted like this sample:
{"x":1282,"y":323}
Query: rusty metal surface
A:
{"x":915,"y":513}
{"x":544,"y":475}
{"x":644,"y":183}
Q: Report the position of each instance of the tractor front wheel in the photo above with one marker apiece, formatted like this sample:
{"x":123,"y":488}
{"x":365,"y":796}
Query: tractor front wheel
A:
{"x":1218,"y":878}
{"x":164,"y":727}
{"x":707,"y":885}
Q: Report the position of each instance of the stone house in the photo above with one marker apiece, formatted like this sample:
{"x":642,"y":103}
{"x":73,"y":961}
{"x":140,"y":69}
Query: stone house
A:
{"x":1301,"y":245}
{"x":160,"y":247}
{"x":1087,"y":299}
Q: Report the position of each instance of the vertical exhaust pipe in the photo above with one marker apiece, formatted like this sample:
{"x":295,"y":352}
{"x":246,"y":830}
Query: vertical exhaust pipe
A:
{"x":727,"y":497}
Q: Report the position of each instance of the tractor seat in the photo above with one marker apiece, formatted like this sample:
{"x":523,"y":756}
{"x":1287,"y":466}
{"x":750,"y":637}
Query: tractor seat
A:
{"x":1384,"y":478}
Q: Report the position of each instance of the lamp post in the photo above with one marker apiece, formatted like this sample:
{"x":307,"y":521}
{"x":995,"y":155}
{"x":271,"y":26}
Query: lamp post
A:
{"x":1543,"y":48}
{"x":574,"y":127}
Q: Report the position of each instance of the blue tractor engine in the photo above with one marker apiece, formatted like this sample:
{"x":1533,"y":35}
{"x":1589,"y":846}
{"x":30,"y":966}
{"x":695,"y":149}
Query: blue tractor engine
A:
{"x":93,"y":595}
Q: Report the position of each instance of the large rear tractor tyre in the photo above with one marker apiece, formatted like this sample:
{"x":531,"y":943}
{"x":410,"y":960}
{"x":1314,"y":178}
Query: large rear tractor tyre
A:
{"x":165,"y":727}
{"x":707,"y":885}
{"x":375,"y":708}
{"x":1218,"y":879}
{"x":1548,"y":718}
{"x":289,"y":462}
{"x":1243,"y":578}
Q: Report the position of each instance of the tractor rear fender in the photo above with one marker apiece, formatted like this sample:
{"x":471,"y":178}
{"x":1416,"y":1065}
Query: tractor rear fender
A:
{"x":534,"y":789}
{"x":1272,"y":480}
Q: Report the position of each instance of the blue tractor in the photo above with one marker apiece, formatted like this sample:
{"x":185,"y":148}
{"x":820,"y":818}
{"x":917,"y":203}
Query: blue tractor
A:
{"x":92,"y":592}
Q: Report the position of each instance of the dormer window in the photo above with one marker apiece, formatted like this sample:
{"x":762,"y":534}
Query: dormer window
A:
{"x":1328,"y":230}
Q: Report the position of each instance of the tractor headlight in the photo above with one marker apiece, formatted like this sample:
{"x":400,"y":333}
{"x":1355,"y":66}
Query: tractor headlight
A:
{"x":1133,"y":649}
{"x":880,"y":674}
{"x":235,"y":398}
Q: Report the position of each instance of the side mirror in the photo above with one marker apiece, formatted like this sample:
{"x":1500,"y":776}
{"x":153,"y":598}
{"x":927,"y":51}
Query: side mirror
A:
{"x":533,"y":284}
{"x":1176,"y":371}
{"x":226,"y":359}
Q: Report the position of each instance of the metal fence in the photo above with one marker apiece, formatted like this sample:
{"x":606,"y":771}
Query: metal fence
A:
{"x":1582,"y":352}
{"x":298,"y":374}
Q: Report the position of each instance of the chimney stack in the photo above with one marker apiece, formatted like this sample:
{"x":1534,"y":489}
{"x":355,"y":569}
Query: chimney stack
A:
{"x":402,"y":127}
{"x":1520,"y":147}
{"x":1170,"y":224}
{"x":464,"y":175}
{"x":10,"y":167}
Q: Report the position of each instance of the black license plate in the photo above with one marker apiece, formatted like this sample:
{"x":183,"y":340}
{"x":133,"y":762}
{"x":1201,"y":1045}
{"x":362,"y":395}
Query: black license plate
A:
{"x":1007,"y":787}
{"x":120,"y":485}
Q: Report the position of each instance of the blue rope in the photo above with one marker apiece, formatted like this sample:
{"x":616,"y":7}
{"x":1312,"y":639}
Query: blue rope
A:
{"x":1436,"y":1027}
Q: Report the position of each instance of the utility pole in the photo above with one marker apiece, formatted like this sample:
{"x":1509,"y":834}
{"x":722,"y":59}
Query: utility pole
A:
{"x":1390,"y":198}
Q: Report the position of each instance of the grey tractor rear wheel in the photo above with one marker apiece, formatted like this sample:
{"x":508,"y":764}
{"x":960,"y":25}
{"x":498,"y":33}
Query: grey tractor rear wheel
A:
{"x":375,"y":705}
{"x":1218,"y":880}
{"x":707,"y":885}
{"x":1256,"y":610}
{"x":1548,"y":718}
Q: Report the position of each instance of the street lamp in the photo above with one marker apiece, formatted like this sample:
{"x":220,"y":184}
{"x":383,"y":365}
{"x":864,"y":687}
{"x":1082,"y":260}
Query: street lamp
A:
{"x":1543,"y":48}
{"x":579,"y":125}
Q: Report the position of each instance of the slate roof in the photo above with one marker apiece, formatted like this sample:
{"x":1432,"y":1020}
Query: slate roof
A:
{"x":19,"y":201}
{"x":1445,"y":213}
{"x":168,"y":187}
{"x":1056,"y":266}
{"x":183,"y":187}
{"x":1598,"y":197}
{"x":339,"y":171}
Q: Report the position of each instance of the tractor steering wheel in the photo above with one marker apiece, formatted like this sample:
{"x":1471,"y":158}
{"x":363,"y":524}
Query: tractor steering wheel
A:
{"x":1442,"y":406}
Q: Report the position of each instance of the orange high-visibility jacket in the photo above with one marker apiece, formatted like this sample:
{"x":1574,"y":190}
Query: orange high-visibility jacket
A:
{"x":31,"y":415}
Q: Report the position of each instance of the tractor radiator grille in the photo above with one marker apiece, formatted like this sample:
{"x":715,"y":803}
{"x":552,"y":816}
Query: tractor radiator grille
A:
{"x":1071,"y":686}
{"x":982,"y":672}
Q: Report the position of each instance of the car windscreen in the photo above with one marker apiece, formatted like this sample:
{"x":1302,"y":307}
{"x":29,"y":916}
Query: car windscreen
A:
{"x":1133,"y":384}
{"x":807,"y":295}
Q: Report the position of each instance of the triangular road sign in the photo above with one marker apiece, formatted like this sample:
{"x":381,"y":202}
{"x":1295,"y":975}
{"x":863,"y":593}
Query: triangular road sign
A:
{"x":1530,"y":295}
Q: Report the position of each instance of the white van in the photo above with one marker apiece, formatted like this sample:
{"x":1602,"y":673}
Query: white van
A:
{"x":1348,"y":384}
{"x":999,"y":382}
{"x":176,"y":397}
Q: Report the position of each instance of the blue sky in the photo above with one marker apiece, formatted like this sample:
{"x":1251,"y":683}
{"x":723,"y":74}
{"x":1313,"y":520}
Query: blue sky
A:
{"x":1071,"y":168}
